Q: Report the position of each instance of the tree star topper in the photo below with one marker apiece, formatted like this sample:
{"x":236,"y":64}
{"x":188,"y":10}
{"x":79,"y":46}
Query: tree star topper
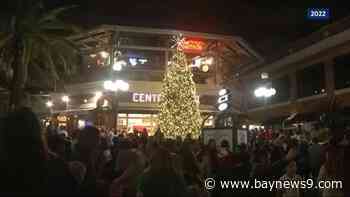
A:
{"x":179,"y":41}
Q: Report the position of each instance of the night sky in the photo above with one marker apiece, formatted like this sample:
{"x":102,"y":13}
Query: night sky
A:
{"x":266,"y":24}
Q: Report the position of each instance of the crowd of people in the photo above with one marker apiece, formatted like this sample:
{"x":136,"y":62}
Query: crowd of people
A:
{"x":91,"y":162}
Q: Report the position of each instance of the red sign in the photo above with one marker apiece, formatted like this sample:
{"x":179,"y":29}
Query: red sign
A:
{"x":193,"y":45}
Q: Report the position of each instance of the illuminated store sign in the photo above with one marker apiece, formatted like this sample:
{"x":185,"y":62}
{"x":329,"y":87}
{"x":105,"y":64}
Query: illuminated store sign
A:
{"x":193,"y":45}
{"x":148,"y":97}
{"x":145,"y":98}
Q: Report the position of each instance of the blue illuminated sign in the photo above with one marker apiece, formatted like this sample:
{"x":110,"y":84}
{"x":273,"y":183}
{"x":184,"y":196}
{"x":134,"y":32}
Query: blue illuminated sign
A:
{"x":318,"y":13}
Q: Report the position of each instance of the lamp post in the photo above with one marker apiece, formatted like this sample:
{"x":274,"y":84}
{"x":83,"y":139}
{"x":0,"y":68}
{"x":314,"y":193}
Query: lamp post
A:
{"x":66,"y":99}
{"x":115,"y":87}
{"x":49,"y":104}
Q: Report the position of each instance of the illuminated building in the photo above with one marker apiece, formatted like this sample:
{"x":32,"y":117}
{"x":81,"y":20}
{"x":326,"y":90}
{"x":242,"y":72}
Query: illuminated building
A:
{"x":145,"y":53}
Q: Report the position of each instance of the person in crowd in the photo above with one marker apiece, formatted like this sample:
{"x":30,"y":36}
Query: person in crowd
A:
{"x":160,"y":179}
{"x":225,"y":156}
{"x":333,"y":169}
{"x":130,"y":166}
{"x":27,"y":167}
{"x":303,"y":160}
{"x":62,"y":131}
{"x":191,"y":169}
{"x":78,"y":170}
{"x":315,"y":157}
{"x":57,"y":145}
{"x":277,"y":151}
{"x":208,"y":159}
{"x":291,"y":175}
{"x":88,"y":153}
{"x":263,"y":169}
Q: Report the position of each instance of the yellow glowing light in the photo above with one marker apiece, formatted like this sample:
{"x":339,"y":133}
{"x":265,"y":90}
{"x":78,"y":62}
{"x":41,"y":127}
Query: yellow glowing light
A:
{"x":104,"y":54}
{"x":179,"y":112}
{"x":205,"y":68}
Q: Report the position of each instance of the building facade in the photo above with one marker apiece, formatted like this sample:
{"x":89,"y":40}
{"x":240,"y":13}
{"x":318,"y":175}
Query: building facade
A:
{"x":311,"y":77}
{"x":142,"y":55}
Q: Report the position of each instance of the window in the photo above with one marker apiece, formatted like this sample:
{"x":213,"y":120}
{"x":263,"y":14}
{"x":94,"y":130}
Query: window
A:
{"x":282,"y":86}
{"x":311,"y":81}
{"x":341,"y":71}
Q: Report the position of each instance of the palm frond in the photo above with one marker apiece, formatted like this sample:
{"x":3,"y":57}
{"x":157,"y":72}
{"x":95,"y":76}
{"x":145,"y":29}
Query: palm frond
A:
{"x":61,"y":26}
{"x":53,"y":14}
{"x":51,"y":65}
{"x":27,"y":52}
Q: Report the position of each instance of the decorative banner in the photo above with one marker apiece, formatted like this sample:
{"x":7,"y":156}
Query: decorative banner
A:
{"x":242,"y":137}
{"x":218,"y":135}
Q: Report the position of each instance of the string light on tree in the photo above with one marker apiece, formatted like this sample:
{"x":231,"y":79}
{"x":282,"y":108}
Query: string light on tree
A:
{"x":179,"y":111}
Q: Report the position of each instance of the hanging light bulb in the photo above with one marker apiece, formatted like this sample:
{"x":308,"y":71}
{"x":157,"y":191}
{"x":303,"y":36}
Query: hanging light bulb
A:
{"x":104,"y":54}
{"x":118,"y":65}
{"x":205,"y":68}
{"x":49,"y":104}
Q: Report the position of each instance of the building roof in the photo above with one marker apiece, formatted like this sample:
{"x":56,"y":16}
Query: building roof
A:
{"x":326,"y":38}
{"x":99,"y":39}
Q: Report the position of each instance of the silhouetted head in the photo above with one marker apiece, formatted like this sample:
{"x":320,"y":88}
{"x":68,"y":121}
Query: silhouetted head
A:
{"x":24,"y":154}
{"x":21,"y":136}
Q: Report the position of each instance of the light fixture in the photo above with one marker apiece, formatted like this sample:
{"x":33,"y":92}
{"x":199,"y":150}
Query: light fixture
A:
{"x":133,"y":61}
{"x":205,"y":68}
{"x":105,"y":103}
{"x":208,"y":61}
{"x":65,"y":98}
{"x":244,"y":126}
{"x":93,"y":55}
{"x":143,"y":60}
{"x":264,"y":92}
{"x":197,"y":62}
{"x":118,"y":65}
{"x":264,"y":75}
{"x":223,"y":106}
{"x":108,"y":85}
{"x":81,"y":124}
{"x":98,"y":95}
{"x":85,"y":100}
{"x":49,"y":104}
{"x":223,"y":98}
{"x":104,"y":54}
{"x":222,"y":92}
{"x":122,"y":85}
{"x":117,"y":85}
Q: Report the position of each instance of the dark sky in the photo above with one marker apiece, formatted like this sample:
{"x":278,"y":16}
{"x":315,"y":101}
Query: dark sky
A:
{"x":266,"y":24}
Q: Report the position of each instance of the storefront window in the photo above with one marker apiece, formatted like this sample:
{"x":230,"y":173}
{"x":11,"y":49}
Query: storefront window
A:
{"x":341,"y":71}
{"x":138,"y":122}
{"x":209,"y":122}
{"x":311,"y":81}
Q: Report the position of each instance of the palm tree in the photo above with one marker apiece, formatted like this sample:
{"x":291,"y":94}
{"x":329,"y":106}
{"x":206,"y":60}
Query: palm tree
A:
{"x":33,"y":47}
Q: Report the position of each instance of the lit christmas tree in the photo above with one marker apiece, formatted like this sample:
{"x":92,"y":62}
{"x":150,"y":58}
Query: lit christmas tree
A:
{"x":179,"y":111}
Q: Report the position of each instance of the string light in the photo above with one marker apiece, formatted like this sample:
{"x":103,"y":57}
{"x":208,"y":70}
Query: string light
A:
{"x":179,"y":112}
{"x":104,"y":54}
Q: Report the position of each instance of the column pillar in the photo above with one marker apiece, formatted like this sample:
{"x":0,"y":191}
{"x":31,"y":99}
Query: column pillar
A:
{"x":293,"y":91}
{"x":329,"y":77}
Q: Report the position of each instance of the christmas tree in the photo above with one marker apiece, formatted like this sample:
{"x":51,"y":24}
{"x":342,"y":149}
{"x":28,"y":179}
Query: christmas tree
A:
{"x":179,"y":111}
